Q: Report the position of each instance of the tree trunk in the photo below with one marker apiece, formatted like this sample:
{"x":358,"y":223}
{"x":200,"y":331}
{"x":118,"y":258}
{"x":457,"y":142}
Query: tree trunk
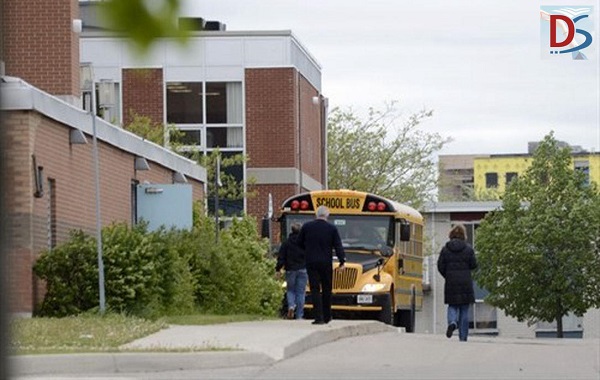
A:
{"x":559,"y":322}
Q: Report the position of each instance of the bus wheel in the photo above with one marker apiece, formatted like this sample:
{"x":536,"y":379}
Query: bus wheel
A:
{"x":386,"y":315}
{"x":406,"y":318}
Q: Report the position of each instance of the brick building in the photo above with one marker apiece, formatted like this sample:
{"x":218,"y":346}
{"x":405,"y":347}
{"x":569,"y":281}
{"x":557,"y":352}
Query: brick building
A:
{"x":47,"y":152}
{"x":256,"y":93}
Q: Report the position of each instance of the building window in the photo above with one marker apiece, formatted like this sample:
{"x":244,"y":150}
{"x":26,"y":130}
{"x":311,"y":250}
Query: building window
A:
{"x":224,"y":103}
{"x":191,"y":137}
{"x":134,"y":201}
{"x":482,"y":316}
{"x":572,"y":328}
{"x":51,"y":213}
{"x":108,"y":100}
{"x":184,"y":102}
{"x":510,"y":176}
{"x":491,"y":180}
{"x":224,"y":137}
{"x":583,"y":166}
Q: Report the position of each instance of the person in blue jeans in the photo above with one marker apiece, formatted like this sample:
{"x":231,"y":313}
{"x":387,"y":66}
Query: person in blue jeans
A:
{"x":291,"y":258}
{"x":455,"y":264}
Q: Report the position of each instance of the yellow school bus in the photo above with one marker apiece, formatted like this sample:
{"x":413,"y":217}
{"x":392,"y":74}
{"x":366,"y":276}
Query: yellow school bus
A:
{"x":383,"y":241}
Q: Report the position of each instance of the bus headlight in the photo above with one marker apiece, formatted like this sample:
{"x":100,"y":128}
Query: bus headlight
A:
{"x":370,"y":288}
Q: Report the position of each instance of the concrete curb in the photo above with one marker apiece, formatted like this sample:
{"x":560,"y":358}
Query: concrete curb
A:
{"x":278,"y":340}
{"x":133,"y":362}
{"x":318,"y":338}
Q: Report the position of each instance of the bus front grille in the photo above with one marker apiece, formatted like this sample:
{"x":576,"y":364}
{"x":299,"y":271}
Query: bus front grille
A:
{"x":344,"y":279}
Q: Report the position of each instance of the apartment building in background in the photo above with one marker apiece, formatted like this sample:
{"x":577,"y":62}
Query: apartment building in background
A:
{"x":481,"y":176}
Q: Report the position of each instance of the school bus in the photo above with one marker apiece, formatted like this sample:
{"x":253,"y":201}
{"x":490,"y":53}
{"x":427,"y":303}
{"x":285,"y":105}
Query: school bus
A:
{"x":383,"y":242}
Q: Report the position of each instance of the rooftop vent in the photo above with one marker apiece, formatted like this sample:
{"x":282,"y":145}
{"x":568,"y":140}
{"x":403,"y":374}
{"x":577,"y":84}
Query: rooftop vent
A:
{"x":214,"y":25}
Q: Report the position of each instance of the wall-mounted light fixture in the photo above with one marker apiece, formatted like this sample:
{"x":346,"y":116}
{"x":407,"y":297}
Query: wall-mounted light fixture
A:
{"x":77,"y":25}
{"x":76,"y":136}
{"x":141,"y":164}
{"x":179,"y":177}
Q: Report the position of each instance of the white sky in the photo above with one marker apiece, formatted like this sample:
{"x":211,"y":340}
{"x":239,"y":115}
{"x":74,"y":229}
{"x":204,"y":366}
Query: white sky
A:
{"x":476,"y":63}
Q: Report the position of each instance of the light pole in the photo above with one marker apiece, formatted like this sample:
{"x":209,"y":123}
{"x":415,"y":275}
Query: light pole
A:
{"x":97,"y":193}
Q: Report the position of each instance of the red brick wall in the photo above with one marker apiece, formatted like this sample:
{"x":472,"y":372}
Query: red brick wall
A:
{"x":39,"y":44}
{"x":71,"y":167}
{"x":143,"y":94}
{"x":271,"y":118}
{"x":310,"y":134}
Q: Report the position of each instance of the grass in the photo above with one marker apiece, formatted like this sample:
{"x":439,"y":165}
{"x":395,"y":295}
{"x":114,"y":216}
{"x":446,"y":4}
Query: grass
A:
{"x":93,"y":333}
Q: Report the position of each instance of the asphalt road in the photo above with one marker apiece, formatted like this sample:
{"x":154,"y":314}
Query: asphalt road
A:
{"x":394,"y":355}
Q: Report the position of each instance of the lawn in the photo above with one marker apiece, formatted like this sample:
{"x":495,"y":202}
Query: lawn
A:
{"x":93,"y":333}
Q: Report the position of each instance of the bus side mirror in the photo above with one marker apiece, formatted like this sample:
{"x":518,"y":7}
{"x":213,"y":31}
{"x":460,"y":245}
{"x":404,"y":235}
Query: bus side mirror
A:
{"x":386,"y":252}
{"x":404,"y":232}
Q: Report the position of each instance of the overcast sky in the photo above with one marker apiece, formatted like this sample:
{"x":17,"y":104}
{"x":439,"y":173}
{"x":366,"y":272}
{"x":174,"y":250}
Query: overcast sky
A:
{"x":476,"y":63}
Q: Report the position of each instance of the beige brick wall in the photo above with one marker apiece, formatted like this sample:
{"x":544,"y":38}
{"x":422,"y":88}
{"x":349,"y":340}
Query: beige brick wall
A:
{"x":72,"y":170}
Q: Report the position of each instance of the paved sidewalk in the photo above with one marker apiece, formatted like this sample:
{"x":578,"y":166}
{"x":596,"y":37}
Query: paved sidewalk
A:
{"x":224,"y":345}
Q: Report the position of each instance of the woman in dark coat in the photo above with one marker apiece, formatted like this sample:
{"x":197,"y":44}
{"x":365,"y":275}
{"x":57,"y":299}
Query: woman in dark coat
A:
{"x":455,"y":264}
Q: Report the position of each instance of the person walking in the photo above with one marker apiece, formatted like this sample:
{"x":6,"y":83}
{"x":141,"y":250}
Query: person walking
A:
{"x":319,"y":238}
{"x":456,"y":261}
{"x":291,"y":258}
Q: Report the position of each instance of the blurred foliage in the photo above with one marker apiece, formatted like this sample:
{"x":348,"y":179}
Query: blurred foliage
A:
{"x":144,"y":21}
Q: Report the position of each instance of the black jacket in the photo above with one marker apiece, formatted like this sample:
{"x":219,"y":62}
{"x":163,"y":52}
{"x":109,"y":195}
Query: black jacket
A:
{"x":455,"y":263}
{"x":291,"y":256}
{"x":319,"y":238}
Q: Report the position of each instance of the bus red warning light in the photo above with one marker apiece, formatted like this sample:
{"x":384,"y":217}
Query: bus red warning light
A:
{"x":295,"y":205}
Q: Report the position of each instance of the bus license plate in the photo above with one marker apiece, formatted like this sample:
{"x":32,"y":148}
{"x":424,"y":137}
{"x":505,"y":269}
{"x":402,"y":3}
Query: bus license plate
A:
{"x":364,"y":298}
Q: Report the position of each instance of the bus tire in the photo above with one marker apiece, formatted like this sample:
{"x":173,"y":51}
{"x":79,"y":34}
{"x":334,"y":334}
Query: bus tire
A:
{"x":386,"y":315}
{"x":406,"y":318}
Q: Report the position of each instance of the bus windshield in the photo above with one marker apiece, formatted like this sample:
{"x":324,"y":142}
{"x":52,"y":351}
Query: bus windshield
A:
{"x":356,"y":231}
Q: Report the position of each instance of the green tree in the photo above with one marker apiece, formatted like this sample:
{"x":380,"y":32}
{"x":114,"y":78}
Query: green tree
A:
{"x":144,"y":127}
{"x":382,"y":154}
{"x":539,"y":255}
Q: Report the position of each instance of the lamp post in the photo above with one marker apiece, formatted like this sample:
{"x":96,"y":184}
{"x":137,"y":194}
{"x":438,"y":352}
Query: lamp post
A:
{"x":88,"y":80}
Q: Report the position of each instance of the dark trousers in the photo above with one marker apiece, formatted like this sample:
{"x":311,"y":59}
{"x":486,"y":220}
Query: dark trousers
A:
{"x":320,"y":281}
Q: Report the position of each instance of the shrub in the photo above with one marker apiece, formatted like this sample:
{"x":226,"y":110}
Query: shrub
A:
{"x":165,"y":272}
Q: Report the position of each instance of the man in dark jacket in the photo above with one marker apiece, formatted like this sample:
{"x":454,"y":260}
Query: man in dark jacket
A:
{"x":291,"y":257}
{"x":455,"y":264}
{"x":319,"y":238}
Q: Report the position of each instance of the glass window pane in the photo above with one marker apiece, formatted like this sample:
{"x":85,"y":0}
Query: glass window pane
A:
{"x":224,"y":137}
{"x":193,"y":137}
{"x":216,"y":103}
{"x":184,"y":102}
{"x":224,"y":103}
